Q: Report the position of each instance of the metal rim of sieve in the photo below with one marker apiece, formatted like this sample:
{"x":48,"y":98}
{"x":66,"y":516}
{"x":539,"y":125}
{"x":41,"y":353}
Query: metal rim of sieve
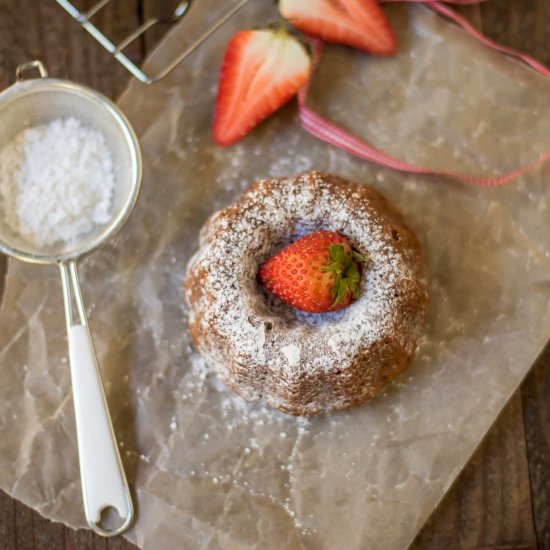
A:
{"x":85,"y":94}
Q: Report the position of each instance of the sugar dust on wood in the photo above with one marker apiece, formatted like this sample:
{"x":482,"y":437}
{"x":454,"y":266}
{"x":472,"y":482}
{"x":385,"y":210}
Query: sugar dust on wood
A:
{"x":56,"y":182}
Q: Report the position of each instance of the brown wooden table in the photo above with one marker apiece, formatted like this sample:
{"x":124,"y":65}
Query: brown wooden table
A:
{"x":502,"y":498}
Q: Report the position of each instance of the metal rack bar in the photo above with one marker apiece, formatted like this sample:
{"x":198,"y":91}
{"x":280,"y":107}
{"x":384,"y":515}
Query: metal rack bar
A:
{"x":116,"y":50}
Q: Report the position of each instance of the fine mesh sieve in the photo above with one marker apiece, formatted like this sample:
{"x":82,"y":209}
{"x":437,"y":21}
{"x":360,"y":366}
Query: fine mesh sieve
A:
{"x":33,"y":102}
{"x":39,"y":101}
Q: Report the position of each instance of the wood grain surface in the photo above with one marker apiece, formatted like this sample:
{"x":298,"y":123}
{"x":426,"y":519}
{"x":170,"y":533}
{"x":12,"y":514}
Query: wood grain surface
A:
{"x":502,"y":498}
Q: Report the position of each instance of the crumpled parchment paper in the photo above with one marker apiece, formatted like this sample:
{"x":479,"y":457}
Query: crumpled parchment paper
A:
{"x":210,"y":471}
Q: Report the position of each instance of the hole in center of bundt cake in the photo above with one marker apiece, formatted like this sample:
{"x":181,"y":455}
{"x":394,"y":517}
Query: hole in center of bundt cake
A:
{"x":276,"y":312}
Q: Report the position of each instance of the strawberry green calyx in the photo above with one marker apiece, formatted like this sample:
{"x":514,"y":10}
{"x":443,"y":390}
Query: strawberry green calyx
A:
{"x":345,"y":265}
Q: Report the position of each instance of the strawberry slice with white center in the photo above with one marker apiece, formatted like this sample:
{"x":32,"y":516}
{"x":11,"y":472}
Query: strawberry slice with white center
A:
{"x":360,"y":24}
{"x":261,"y":71}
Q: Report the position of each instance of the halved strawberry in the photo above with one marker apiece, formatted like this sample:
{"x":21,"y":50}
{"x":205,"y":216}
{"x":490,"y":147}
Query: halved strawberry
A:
{"x":261,"y":71}
{"x":317,"y":273}
{"x":360,"y":24}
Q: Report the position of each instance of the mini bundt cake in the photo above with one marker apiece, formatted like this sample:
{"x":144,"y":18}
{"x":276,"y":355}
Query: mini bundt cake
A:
{"x":297,"y":362}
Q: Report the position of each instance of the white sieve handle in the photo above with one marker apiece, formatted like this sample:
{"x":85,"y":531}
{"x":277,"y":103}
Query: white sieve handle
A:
{"x":103,"y":480}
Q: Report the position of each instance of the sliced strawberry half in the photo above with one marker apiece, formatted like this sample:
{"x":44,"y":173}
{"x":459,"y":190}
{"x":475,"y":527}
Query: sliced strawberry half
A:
{"x":261,"y":71}
{"x":360,"y":24}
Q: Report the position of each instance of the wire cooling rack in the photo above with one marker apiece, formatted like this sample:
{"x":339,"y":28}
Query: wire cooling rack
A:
{"x":84,"y":19}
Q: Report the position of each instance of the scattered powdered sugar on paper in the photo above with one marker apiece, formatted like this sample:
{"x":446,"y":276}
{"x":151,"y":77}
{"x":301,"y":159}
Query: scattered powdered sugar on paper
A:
{"x":56,"y":181}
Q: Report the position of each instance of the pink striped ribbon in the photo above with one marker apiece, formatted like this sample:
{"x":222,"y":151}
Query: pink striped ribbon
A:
{"x":330,"y":133}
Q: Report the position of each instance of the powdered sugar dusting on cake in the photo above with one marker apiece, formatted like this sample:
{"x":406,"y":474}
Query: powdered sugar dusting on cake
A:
{"x":257,"y":342}
{"x":292,"y":354}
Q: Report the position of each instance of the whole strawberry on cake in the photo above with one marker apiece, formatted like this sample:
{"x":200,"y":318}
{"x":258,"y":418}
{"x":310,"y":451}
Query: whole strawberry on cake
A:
{"x":308,"y":294}
{"x":318,"y":273}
